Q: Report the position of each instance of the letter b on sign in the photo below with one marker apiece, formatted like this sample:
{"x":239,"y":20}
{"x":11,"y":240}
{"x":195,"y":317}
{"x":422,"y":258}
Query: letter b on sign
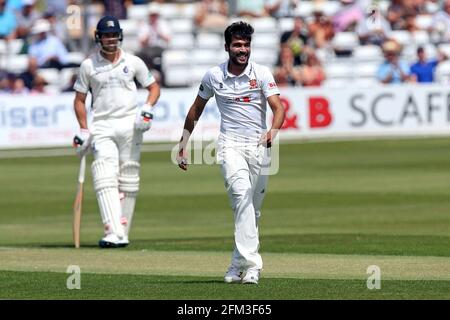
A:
{"x":74,"y":280}
{"x":319,"y":112}
{"x":374,"y":280}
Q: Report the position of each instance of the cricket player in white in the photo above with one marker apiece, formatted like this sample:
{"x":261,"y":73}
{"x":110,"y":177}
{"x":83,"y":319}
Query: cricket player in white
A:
{"x":242,"y":90}
{"x":118,"y":124}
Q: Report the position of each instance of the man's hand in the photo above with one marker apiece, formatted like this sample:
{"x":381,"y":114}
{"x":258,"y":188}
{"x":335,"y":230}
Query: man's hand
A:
{"x":182,"y":159}
{"x":82,"y":142}
{"x":266,"y":139}
{"x":144,"y":118}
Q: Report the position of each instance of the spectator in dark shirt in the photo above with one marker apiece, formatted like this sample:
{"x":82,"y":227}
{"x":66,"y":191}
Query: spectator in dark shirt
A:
{"x":296,"y":39}
{"x":424,"y":69}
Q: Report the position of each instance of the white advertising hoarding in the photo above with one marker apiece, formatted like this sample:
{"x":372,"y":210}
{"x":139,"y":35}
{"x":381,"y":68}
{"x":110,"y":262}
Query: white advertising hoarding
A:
{"x":49,"y":120}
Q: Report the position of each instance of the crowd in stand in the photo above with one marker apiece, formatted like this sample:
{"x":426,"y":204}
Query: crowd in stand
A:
{"x":47,"y":41}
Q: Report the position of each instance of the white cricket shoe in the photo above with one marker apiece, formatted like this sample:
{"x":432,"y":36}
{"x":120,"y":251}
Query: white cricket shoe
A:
{"x":111,"y":241}
{"x":251,"y":276}
{"x":124,"y":242}
{"x":233,"y":275}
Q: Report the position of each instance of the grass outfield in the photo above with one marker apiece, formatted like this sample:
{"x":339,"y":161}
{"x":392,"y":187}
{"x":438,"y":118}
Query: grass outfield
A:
{"x":332,"y":210}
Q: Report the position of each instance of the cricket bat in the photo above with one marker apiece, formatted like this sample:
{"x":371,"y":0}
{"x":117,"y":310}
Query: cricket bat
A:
{"x":77,"y":206}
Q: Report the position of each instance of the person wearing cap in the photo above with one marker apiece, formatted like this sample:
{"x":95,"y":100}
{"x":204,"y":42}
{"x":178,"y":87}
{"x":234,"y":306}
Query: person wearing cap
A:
{"x":26,"y":18}
{"x":393,"y":70}
{"x":8,"y":21}
{"x":154,"y":37}
{"x":47,"y":49}
{"x":118,"y":124}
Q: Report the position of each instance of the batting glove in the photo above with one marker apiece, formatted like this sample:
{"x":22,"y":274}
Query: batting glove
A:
{"x":82,"y":142}
{"x":144,"y":118}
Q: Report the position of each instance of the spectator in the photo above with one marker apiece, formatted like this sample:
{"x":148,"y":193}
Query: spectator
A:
{"x":48,"y":50}
{"x":154,"y":38}
{"x":59,"y":7}
{"x":286,"y":73}
{"x":282,"y":8}
{"x":7,"y":21}
{"x":321,"y":29}
{"x":211,"y":14}
{"x":39,"y":85}
{"x":296,"y":39}
{"x":311,"y":73}
{"x":26,"y":18}
{"x":116,"y":8}
{"x":375,"y":29}
{"x":18,"y":86}
{"x":393,"y":70}
{"x":252,"y":9}
{"x":440,"y":24}
{"x":57,"y":26}
{"x":30,"y":74}
{"x":3,"y":81}
{"x":424,"y":69}
{"x":348,"y":16}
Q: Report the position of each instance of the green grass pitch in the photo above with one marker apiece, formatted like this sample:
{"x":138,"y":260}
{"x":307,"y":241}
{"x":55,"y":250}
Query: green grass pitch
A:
{"x":333,"y":210}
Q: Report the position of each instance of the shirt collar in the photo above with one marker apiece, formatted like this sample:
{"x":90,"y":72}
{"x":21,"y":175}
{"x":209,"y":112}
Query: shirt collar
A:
{"x":247,"y":72}
{"x":101,"y":58}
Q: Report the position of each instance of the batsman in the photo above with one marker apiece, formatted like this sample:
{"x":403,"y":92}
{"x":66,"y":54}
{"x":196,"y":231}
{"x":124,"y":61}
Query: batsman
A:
{"x":118,"y":123}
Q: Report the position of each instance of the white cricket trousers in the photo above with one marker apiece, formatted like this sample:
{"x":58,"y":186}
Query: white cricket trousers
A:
{"x":116,"y":141}
{"x":116,"y":144}
{"x":241,"y":165}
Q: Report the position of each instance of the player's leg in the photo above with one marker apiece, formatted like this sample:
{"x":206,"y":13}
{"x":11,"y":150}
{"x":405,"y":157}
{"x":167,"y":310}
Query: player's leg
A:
{"x":256,"y":158}
{"x":237,"y":181}
{"x":129,"y":150}
{"x":104,"y":173}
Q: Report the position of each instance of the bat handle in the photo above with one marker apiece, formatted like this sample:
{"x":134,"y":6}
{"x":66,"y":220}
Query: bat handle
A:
{"x":82,"y":169}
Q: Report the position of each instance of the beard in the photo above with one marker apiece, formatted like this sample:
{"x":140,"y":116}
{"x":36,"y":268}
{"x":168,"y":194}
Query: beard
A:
{"x":236,"y":58}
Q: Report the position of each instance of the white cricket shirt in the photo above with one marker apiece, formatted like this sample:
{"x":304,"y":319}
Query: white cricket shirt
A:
{"x":112,"y":85}
{"x":242,"y":99}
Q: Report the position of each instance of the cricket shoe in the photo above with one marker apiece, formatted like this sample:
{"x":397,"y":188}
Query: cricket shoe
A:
{"x":251,"y":276}
{"x":233,"y":275}
{"x":112,"y":241}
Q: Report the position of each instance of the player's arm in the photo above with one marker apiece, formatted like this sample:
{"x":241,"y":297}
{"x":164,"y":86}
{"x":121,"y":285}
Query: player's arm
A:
{"x":79,"y":106}
{"x":278,"y":119}
{"x":154,"y":92}
{"x":192,"y":117}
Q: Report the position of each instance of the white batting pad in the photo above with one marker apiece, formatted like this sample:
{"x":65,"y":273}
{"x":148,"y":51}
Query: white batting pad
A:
{"x":106,"y":187}
{"x":129,"y":186}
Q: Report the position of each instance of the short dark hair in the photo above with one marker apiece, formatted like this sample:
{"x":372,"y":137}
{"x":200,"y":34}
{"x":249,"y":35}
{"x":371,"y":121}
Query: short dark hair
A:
{"x":240,"y":30}
{"x":420,"y":50}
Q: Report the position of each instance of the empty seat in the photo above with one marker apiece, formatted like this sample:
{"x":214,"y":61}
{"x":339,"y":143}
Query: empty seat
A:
{"x":424,"y":21}
{"x":443,"y":72}
{"x":366,"y":70}
{"x":17,"y":63}
{"x":185,"y":41}
{"x":176,"y":58}
{"x":339,"y":70}
{"x":129,"y":27}
{"x":305,"y":9}
{"x":181,"y":26}
{"x":267,"y":57}
{"x":50,"y":75}
{"x":264,"y":25}
{"x":170,"y":11}
{"x":285,"y":24}
{"x":267,"y":41}
{"x":75,"y":57}
{"x":368,"y":53}
{"x":177,"y":76}
{"x":345,"y":41}
{"x":421,"y":37}
{"x":205,"y":57}
{"x":209,"y":41}
{"x":137,"y":12}
{"x":401,"y":36}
